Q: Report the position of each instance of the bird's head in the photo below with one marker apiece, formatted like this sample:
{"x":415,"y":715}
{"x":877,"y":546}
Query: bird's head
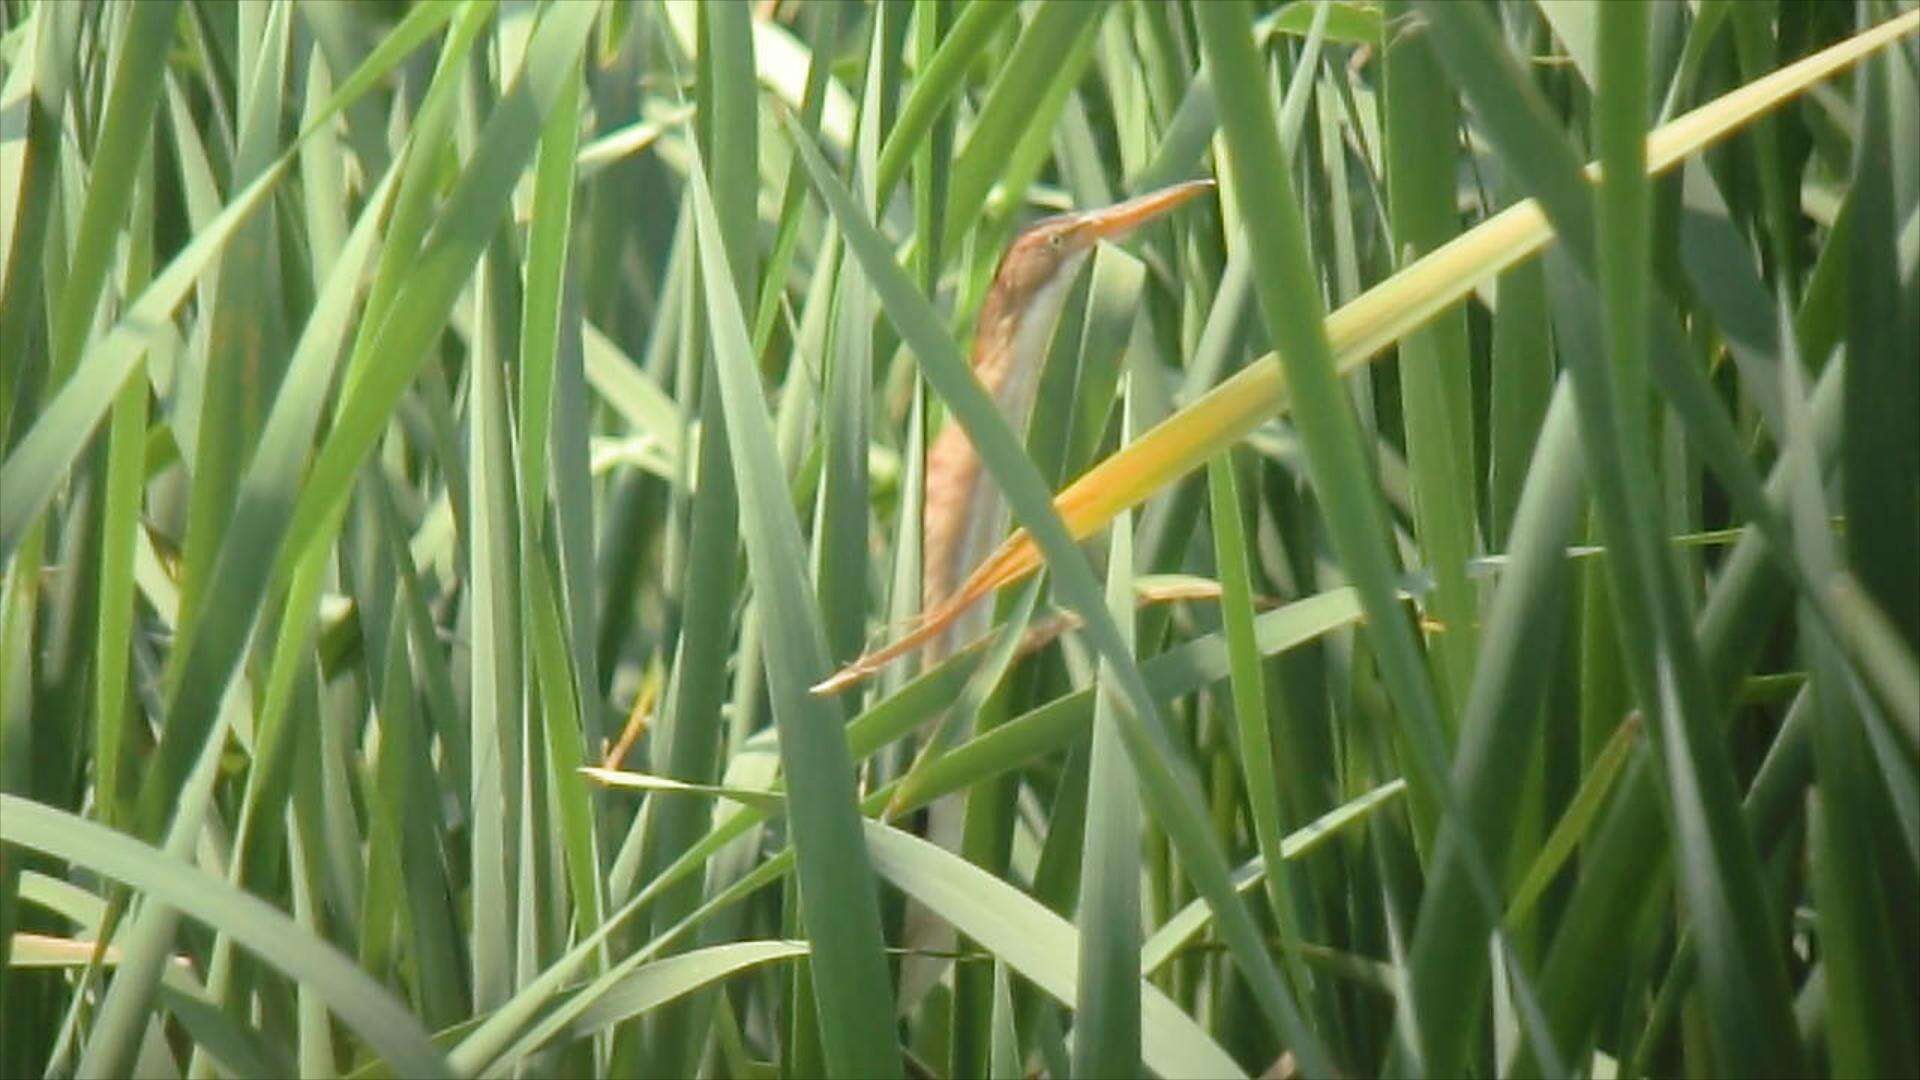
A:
{"x":1057,"y":245}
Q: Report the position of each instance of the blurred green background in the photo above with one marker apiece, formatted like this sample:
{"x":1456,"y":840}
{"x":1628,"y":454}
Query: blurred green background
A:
{"x":405,"y":406}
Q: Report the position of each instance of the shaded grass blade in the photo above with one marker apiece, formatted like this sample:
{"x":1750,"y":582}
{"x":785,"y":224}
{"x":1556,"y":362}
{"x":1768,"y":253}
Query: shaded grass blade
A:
{"x":840,"y":911}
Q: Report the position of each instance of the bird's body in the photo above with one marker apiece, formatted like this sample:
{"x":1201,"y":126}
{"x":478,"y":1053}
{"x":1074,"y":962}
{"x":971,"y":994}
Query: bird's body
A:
{"x":964,"y":515}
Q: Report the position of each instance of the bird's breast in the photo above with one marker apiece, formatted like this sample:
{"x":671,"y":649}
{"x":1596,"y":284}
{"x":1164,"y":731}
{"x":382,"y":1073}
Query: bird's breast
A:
{"x":963,"y":514}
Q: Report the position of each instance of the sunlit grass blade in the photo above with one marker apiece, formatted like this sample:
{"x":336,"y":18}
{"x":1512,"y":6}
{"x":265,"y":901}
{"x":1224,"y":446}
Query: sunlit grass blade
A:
{"x":1359,"y":330}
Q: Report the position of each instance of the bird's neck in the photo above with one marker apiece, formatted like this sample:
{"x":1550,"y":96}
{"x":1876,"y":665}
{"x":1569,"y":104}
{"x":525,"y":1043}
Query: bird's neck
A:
{"x":1010,"y":344}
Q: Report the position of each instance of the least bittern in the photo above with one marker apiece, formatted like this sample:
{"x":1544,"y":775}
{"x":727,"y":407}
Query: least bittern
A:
{"x":964,"y":515}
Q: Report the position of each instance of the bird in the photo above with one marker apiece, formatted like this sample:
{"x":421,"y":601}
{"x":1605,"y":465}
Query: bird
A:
{"x":963,"y":514}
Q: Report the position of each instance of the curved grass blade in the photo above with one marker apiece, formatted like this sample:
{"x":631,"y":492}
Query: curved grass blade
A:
{"x":676,"y":976}
{"x":362,"y":1003}
{"x":1034,"y":941}
{"x":1190,"y":920}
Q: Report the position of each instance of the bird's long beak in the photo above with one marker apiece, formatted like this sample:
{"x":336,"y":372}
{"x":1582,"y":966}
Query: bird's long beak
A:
{"x":1121,"y":218}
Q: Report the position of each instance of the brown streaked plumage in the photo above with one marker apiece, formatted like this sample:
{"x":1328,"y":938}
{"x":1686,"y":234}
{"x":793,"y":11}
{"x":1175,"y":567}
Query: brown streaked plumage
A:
{"x":963,"y":516}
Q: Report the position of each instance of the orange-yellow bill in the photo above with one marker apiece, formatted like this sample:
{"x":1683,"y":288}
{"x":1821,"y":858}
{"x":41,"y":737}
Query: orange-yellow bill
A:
{"x":1121,"y":218}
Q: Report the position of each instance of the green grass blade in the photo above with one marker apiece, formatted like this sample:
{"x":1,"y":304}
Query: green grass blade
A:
{"x":126,"y":471}
{"x":1190,"y":920}
{"x":443,"y":265}
{"x":1720,"y":874}
{"x":1573,"y":825}
{"x":1505,"y":706}
{"x":361,"y":620}
{"x":663,"y":981}
{"x":1259,"y":767}
{"x":841,"y":910}
{"x":566,"y":751}
{"x":540,"y":316}
{"x":936,"y":86}
{"x":1436,"y":398}
{"x":361,"y":1003}
{"x":43,"y":456}
{"x":124,"y":133}
{"x":1106,"y":1031}
{"x":1037,"y":943}
{"x":1023,"y":99}
{"x":1169,"y":789}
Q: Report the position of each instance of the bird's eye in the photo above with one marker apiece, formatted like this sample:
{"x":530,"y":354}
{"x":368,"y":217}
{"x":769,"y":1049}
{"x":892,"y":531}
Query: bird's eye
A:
{"x":1055,"y":241}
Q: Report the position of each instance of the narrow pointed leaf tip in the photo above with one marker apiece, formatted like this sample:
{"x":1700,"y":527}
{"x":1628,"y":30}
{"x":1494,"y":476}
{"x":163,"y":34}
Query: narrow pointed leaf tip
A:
{"x":926,"y":629}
